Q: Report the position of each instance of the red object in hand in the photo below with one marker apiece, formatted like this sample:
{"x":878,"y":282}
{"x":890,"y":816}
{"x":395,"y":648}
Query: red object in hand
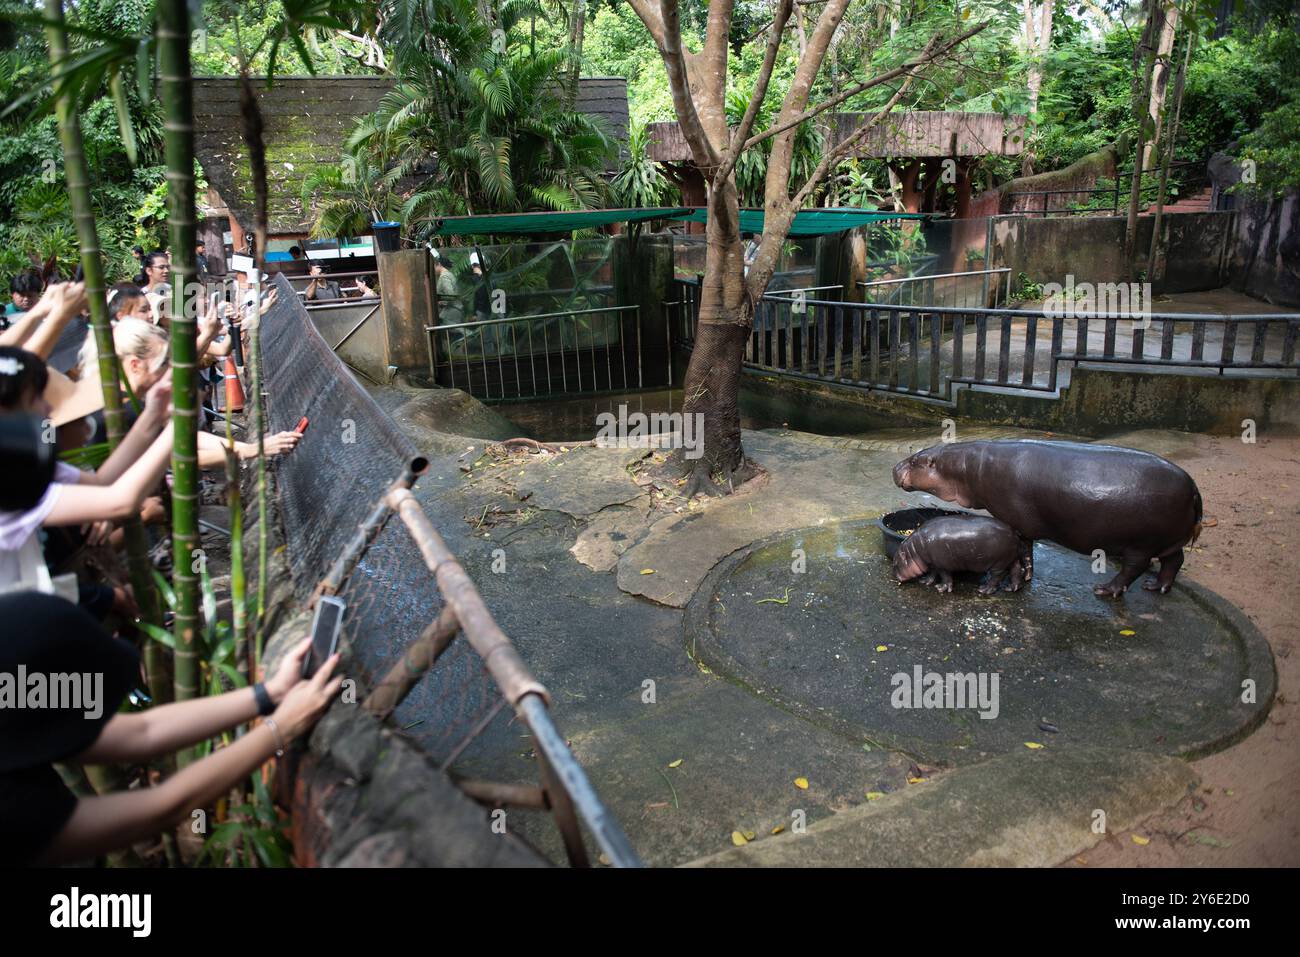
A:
{"x":301,"y":427}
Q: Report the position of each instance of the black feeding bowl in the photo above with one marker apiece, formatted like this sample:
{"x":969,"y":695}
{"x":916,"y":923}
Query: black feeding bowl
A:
{"x":896,"y":527}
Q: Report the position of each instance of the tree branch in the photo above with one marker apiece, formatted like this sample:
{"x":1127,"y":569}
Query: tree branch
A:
{"x":647,"y":11}
{"x":840,"y":97}
{"x":833,"y":156}
{"x":736,"y":147}
{"x":702,"y":151}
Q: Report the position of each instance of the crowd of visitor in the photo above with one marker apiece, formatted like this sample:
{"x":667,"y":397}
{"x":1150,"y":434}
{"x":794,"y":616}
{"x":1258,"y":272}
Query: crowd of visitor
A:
{"x":65,"y":597}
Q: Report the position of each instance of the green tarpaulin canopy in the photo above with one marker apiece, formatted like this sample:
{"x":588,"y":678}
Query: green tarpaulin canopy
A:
{"x":812,"y":222}
{"x":502,"y":223}
{"x":807,"y":222}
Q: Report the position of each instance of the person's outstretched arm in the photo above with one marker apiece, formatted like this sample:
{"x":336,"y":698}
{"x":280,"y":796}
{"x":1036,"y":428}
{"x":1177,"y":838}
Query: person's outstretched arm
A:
{"x":102,"y":824}
{"x":82,"y":503}
{"x":145,"y":735}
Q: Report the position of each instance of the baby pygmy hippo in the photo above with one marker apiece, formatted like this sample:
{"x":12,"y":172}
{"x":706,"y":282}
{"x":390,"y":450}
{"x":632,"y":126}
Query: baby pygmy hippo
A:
{"x":962,"y":543}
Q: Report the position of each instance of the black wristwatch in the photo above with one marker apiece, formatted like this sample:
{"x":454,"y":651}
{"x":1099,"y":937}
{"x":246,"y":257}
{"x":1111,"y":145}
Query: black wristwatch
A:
{"x":263,"y":698}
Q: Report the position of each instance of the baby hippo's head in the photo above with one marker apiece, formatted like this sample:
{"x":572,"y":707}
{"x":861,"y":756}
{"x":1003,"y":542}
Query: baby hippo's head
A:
{"x":907,"y":563}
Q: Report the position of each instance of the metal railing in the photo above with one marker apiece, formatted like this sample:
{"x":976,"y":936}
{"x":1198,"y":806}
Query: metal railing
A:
{"x":1179,"y":188}
{"x":564,"y":789}
{"x":577,"y":352}
{"x":939,"y":289}
{"x":926,"y":350}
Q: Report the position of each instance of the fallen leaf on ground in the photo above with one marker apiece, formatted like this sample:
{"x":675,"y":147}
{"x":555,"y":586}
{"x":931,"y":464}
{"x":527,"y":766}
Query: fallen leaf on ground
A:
{"x":647,"y":571}
{"x":875,"y":795}
{"x":801,"y":783}
{"x":739,"y":839}
{"x":1141,"y":841}
{"x":676,"y":764}
{"x":1033,"y":745}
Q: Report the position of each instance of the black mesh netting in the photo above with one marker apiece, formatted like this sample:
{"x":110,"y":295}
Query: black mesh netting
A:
{"x":349,"y":455}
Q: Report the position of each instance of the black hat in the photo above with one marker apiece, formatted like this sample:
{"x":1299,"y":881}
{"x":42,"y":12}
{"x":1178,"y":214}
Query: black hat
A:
{"x":45,"y":636}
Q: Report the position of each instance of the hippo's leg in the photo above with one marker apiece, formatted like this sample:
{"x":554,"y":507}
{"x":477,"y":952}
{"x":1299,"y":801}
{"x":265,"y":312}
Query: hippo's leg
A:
{"x":928,"y":578}
{"x":1017,"y":576}
{"x":1027,"y":558}
{"x":1169,"y":566}
{"x":1134,"y":566}
{"x":992,"y":581}
{"x":945,"y":579}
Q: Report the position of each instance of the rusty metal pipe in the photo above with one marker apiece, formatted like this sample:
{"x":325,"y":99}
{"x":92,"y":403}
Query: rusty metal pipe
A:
{"x":501,"y":795}
{"x":422,"y":654}
{"x":481,"y":630}
{"x":367,"y":531}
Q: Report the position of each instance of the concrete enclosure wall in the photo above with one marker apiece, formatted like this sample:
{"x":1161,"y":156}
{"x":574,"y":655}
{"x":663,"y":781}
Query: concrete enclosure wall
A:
{"x":1092,"y":249}
{"x":1097,"y":403}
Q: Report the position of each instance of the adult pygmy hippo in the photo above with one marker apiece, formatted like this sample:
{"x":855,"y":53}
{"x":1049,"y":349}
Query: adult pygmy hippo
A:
{"x":1133,"y":505}
{"x":961,"y":543}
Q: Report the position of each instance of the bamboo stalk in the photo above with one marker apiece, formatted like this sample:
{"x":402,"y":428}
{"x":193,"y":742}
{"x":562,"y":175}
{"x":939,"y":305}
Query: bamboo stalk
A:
{"x":176,"y":89}
{"x":77,"y":176}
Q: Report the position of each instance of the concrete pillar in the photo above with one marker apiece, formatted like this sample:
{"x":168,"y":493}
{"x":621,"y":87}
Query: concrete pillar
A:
{"x":408,"y":306}
{"x":643,"y":274}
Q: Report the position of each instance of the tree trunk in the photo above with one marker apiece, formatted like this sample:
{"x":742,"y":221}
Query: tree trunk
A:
{"x":176,"y":93}
{"x":1154,"y":266}
{"x":712,"y":385}
{"x":1145,"y":56}
{"x":1160,"y":77}
{"x":576,"y":31}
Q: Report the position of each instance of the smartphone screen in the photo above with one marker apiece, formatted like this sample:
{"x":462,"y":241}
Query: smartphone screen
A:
{"x":325,"y":628}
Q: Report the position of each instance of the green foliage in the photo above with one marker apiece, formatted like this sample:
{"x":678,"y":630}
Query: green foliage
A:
{"x":639,"y":181}
{"x":480,"y":120}
{"x":1274,"y":148}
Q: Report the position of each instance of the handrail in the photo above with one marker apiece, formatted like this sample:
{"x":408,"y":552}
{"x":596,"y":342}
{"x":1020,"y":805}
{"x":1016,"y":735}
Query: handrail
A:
{"x":341,"y":303}
{"x":543,"y":315}
{"x":796,"y":291}
{"x":1041,"y":314}
{"x":568,"y":791}
{"x":944,"y":275}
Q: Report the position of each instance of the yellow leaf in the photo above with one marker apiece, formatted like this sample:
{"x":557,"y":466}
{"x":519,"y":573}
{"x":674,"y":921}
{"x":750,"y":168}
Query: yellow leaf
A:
{"x":676,"y":764}
{"x":647,"y":571}
{"x":1128,"y":631}
{"x":1033,"y":745}
{"x":917,"y":780}
{"x":801,"y":783}
{"x":778,"y":829}
{"x":739,"y":839}
{"x":882,"y":647}
{"x":1141,"y":841}
{"x":749,"y":835}
{"x":875,"y":795}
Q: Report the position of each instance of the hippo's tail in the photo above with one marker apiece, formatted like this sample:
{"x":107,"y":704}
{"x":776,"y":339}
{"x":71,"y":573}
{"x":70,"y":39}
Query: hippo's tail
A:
{"x":1200,"y":515}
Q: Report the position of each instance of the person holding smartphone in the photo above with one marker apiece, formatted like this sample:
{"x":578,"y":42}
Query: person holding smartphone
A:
{"x":321,"y":289}
{"x":41,"y":821}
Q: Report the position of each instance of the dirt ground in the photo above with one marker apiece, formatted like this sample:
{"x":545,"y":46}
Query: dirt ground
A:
{"x":1247,"y":809}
